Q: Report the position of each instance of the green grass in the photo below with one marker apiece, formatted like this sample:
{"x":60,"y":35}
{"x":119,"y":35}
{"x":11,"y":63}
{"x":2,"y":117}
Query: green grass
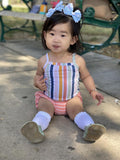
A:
{"x":21,"y":9}
{"x":94,"y":30}
{"x":16,"y":34}
{"x":95,"y":34}
{"x":15,"y":1}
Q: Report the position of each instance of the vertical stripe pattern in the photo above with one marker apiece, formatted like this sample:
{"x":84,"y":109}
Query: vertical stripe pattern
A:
{"x":52,"y":80}
{"x":62,"y":80}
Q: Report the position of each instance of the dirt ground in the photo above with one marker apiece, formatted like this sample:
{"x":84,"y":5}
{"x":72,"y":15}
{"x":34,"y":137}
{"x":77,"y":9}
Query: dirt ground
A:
{"x":112,"y":51}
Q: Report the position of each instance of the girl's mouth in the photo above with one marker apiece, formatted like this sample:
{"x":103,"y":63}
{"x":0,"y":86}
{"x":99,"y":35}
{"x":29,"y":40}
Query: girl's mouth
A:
{"x":56,"y":46}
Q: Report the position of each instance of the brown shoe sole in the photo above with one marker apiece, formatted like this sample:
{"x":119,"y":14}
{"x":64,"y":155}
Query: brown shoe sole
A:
{"x":94,"y":132}
{"x":32,"y":132}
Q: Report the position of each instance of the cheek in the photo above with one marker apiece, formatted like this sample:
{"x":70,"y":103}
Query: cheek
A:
{"x":48,"y":43}
{"x":68,"y":42}
{"x":48,"y":39}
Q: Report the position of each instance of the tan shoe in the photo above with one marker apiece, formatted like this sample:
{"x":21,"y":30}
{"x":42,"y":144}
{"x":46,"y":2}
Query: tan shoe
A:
{"x":33,"y":132}
{"x":94,"y":132}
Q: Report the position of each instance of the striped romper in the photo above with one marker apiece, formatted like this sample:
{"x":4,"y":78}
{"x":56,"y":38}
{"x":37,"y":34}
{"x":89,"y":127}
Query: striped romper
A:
{"x":62,"y":84}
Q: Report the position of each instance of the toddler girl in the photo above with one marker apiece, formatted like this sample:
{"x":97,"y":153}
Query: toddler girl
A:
{"x":58,"y":76}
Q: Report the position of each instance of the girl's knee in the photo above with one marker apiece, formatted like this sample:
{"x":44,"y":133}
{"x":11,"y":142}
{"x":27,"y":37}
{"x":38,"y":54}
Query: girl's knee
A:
{"x":73,"y":108}
{"x":73,"y":112}
{"x":46,"y":106}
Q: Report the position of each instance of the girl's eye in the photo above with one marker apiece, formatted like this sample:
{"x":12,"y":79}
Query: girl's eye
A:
{"x":62,"y":35}
{"x":52,"y":34}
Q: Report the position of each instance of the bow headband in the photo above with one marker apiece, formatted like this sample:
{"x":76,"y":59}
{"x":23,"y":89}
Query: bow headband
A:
{"x":68,"y":10}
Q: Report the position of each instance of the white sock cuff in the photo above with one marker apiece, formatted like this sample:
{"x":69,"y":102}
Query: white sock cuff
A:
{"x":79,"y":115}
{"x":44,"y":114}
{"x":42,"y":119}
{"x":83,"y":119}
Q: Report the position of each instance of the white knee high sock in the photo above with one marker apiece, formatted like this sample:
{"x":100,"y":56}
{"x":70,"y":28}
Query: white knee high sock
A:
{"x":42,"y":119}
{"x":82,"y":120}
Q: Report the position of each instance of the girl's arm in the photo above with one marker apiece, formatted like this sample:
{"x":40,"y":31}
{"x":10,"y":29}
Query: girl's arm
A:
{"x":39,"y":80}
{"x":88,"y":81}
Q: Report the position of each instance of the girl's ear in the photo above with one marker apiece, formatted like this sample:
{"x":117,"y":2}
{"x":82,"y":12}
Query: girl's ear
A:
{"x":74,"y":40}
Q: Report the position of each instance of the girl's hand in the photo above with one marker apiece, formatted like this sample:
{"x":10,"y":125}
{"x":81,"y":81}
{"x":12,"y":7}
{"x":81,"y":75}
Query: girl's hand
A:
{"x":97,"y":96}
{"x":39,"y":82}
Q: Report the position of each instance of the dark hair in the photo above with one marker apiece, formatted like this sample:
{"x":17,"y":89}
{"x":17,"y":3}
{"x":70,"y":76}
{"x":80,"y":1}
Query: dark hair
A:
{"x":57,"y":18}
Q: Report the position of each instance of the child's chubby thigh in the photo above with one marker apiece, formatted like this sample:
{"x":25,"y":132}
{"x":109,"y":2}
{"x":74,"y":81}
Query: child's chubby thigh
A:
{"x":74,"y":106}
{"x":46,"y":106}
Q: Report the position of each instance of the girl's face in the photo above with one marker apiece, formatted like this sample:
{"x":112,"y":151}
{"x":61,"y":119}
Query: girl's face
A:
{"x":59,"y":39}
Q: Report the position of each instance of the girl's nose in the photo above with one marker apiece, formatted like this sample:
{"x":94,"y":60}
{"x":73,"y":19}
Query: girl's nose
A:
{"x":56,"y":38}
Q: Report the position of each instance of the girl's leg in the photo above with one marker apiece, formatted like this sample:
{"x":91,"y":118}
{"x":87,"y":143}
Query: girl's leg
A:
{"x":83,"y":120}
{"x":33,"y":130}
{"x":76,"y":113}
{"x":73,"y":107}
{"x":45,"y":113}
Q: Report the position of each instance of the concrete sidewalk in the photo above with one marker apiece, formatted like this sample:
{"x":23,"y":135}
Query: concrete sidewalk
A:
{"x":63,"y":139}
